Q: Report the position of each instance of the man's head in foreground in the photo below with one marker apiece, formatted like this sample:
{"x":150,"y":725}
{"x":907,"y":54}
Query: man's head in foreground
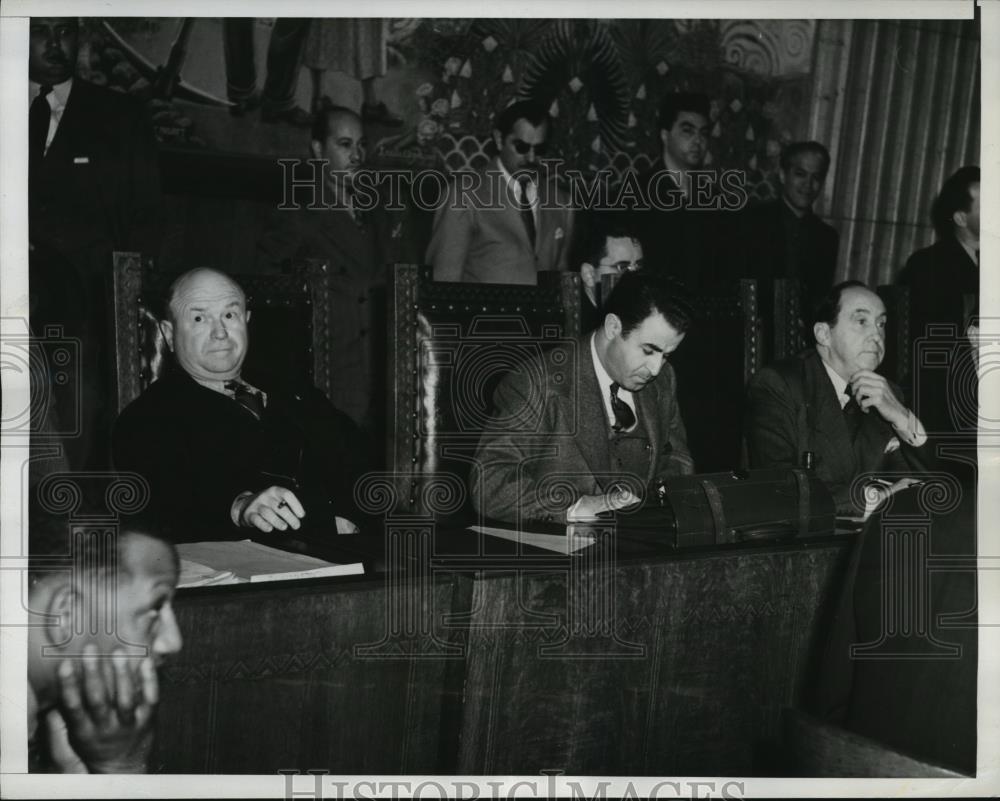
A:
{"x":850,"y":329}
{"x":206,"y":325}
{"x":645,"y":320}
{"x":111,"y":599}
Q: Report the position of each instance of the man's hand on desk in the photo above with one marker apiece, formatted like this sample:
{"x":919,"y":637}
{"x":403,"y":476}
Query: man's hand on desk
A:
{"x":589,"y":507}
{"x":267,"y":510}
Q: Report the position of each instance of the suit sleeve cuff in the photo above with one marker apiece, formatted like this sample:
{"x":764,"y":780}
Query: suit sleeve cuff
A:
{"x":912,"y":432}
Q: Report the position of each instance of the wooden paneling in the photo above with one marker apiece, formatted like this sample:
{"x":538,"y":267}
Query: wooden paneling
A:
{"x":672,"y":664}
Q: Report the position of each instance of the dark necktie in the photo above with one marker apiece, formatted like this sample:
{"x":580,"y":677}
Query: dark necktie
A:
{"x":624,"y":417}
{"x":525,"y":205}
{"x":39,"y":117}
{"x":246,"y":397}
{"x":853,"y":414}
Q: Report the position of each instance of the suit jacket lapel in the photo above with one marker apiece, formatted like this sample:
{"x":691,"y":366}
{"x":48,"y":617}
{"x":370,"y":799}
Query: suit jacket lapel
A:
{"x":592,"y":420}
{"x":647,"y":403}
{"x":831,"y":435}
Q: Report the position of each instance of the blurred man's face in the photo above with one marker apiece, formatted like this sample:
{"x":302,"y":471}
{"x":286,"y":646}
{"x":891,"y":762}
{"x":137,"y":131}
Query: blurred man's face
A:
{"x":686,"y":143}
{"x":636,"y":359}
{"x":970,"y":218}
{"x":856,"y":341}
{"x":803,"y":180}
{"x":621,"y":254}
{"x":344,"y":148}
{"x":144,"y":612}
{"x":522,"y":147}
{"x":52,"y":49}
{"x":207,"y":330}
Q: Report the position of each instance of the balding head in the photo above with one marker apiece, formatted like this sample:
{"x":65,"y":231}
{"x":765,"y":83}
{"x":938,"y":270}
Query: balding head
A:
{"x":207,"y":324}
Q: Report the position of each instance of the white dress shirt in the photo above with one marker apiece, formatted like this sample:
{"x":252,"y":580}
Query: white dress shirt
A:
{"x":515,"y":188}
{"x":604,"y":380}
{"x":57,"y":100}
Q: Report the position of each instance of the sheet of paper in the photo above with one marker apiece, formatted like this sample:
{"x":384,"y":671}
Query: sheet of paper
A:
{"x":560,"y":543}
{"x":245,"y":560}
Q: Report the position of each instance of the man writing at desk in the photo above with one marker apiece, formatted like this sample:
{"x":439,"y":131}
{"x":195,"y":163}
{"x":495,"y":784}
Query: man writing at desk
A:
{"x":613,"y":422}
{"x":831,"y":402}
{"x":220,"y":454}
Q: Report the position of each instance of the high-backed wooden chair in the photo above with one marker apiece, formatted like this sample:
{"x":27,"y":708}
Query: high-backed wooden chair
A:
{"x":713,"y":365}
{"x":898,"y":362}
{"x":449,"y":346}
{"x":788,"y":333}
{"x":289,"y":330}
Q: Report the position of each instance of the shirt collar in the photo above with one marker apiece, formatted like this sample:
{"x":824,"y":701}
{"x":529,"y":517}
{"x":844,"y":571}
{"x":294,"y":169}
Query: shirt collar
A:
{"x":839,"y":384}
{"x":514,"y":186}
{"x":57,"y":97}
{"x":970,"y":250}
{"x":603,"y":379}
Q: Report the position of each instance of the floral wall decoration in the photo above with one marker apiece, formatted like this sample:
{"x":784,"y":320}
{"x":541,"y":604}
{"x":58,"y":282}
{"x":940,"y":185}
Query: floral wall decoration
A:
{"x":604,"y":80}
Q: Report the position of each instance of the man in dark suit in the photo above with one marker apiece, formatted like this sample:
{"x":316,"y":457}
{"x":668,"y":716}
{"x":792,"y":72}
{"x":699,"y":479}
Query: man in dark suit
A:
{"x":93,"y":188}
{"x":831,"y":403}
{"x":223,"y":456}
{"x":682,"y":220}
{"x":348,"y":227}
{"x":589,"y":441}
{"x":784,"y":238}
{"x":505,"y":224}
{"x":944,"y":292}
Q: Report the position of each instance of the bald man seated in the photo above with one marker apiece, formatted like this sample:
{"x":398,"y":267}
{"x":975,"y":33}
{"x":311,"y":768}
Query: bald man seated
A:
{"x":92,"y":689}
{"x":221,"y":455}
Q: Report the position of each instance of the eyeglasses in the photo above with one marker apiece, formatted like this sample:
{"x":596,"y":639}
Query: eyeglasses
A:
{"x":623,"y":266}
{"x":523,"y":147}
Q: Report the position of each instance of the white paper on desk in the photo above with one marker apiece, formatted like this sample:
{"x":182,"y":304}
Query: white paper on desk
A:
{"x":250,"y":561}
{"x":567,"y":543}
{"x":195,"y":574}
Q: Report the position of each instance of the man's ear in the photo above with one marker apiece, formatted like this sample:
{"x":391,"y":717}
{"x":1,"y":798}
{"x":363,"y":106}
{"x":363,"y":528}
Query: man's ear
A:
{"x":63,"y":603}
{"x":664,"y":134}
{"x":960,"y":218}
{"x":498,"y":139}
{"x":588,"y":274}
{"x":248,"y":315}
{"x":781,"y":175}
{"x":822,"y":333}
{"x":316,"y":149}
{"x":612,"y":326}
{"x":167,"y":329}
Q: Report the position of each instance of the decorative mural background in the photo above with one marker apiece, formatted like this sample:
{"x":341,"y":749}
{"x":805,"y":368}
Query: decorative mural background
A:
{"x":603,"y":80}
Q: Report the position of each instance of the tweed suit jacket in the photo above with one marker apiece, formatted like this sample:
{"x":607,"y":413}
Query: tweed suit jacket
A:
{"x":479,"y":236}
{"x":548,"y":445}
{"x":784,"y":420}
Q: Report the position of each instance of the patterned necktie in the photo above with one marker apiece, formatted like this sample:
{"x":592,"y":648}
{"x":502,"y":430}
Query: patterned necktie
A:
{"x":246,"y":397}
{"x":525,"y":206}
{"x":624,"y":417}
{"x":39,"y":117}
{"x":853,"y":414}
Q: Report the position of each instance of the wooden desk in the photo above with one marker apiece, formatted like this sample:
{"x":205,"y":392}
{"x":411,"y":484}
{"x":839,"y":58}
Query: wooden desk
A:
{"x":648,"y":663}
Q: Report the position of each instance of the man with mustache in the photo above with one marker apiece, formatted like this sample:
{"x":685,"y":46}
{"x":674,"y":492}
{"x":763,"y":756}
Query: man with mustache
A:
{"x":92,"y":686}
{"x":570,"y":439}
{"x":225,"y":458}
{"x":507,"y":223}
{"x":93,"y":188}
{"x":831,"y":403}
